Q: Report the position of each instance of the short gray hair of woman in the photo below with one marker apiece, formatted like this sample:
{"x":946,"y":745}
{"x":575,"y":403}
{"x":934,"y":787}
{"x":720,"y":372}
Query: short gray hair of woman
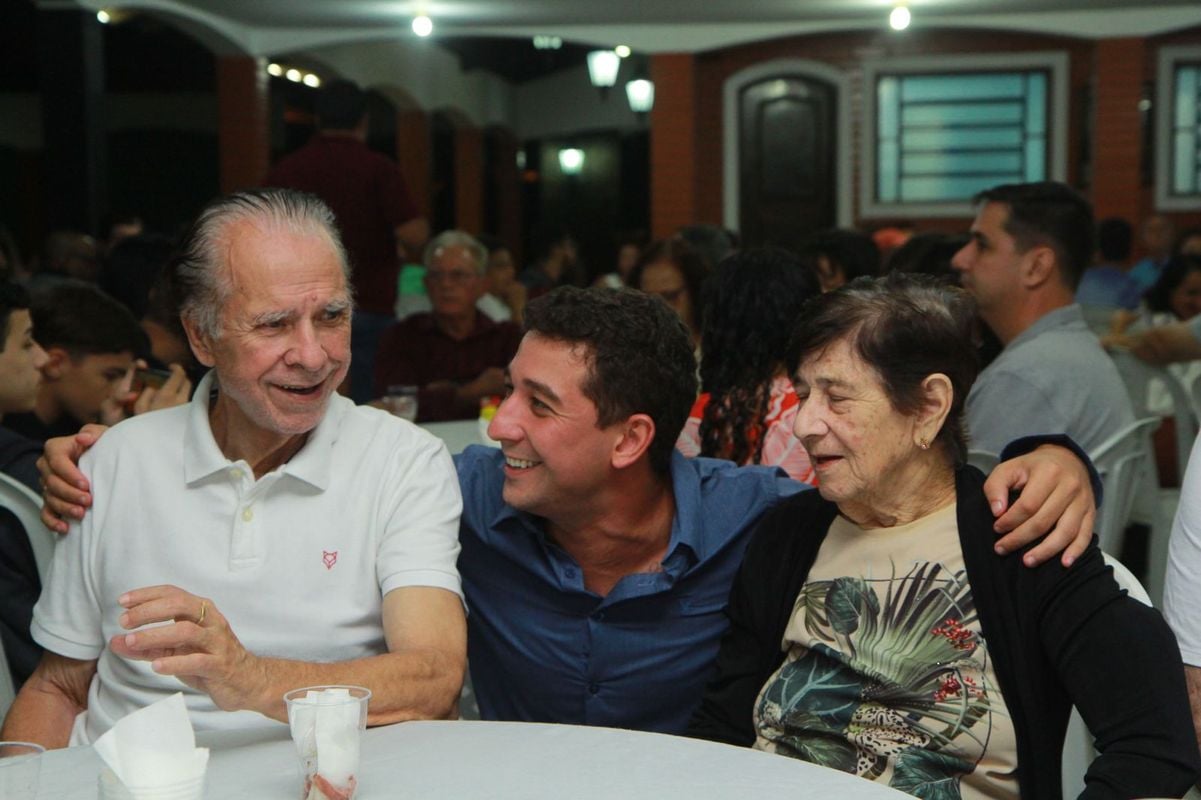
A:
{"x":453,"y":238}
{"x":906,"y":327}
{"x":200,"y":273}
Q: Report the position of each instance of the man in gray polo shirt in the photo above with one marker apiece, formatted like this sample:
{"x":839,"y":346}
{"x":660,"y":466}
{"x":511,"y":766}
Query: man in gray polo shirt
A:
{"x":1030,"y":244}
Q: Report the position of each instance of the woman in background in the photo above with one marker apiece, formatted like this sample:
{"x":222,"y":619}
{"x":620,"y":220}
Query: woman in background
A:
{"x":746,"y":412}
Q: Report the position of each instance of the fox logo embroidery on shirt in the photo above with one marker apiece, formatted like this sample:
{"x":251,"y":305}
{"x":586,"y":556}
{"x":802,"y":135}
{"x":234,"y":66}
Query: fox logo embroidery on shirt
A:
{"x":329,"y":558}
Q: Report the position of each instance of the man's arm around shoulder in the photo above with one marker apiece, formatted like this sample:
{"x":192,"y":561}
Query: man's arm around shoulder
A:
{"x":45,"y":709}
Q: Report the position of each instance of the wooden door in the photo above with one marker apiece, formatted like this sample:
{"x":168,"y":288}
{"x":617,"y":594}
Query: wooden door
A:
{"x":787,"y":160}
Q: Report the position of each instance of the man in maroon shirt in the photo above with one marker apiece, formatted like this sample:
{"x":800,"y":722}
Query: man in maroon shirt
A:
{"x":455,"y":354}
{"x":375,"y":214}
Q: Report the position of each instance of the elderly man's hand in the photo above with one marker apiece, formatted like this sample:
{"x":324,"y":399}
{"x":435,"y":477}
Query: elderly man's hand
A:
{"x":199,"y":647}
{"x":1056,"y":499}
{"x":175,"y":391}
{"x":65,"y":492}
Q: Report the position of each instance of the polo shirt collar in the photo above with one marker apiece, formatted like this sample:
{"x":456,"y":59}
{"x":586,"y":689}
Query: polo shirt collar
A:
{"x":204,"y":458}
{"x":1066,"y":315}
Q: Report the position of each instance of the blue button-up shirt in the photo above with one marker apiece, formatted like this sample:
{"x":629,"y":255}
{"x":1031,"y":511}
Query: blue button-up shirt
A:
{"x":543,"y":648}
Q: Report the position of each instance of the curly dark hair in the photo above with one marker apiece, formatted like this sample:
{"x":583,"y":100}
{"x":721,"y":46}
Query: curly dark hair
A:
{"x":752,"y":303}
{"x":639,"y":356}
{"x":905,"y":326}
{"x":1159,"y":296}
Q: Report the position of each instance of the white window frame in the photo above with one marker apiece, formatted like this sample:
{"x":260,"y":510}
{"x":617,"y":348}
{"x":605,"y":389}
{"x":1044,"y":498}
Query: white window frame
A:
{"x":1056,"y":65}
{"x":1164,"y":95}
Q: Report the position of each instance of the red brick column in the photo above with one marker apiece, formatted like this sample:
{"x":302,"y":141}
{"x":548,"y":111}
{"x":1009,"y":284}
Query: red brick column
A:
{"x":414,"y":153}
{"x":673,"y":143}
{"x":1119,"y":76}
{"x":242,"y":126}
{"x":469,"y":179}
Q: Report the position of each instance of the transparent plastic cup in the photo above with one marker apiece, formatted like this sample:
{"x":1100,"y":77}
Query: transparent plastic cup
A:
{"x":401,"y":401}
{"x":327,"y":725}
{"x":20,"y":766}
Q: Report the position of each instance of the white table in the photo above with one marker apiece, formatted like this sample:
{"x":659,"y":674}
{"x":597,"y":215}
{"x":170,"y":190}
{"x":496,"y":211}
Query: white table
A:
{"x":457,"y":434}
{"x":502,"y":761}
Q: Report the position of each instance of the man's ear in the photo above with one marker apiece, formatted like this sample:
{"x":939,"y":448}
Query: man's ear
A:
{"x":637,"y":433}
{"x":1040,"y":265}
{"x":202,"y":346}
{"x":57,"y":362}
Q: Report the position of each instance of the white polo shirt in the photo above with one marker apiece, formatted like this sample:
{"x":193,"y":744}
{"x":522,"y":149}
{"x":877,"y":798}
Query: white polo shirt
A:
{"x":298,"y":561}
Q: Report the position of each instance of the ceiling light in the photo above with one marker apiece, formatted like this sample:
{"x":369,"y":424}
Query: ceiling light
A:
{"x":641,"y":94}
{"x":622,"y":51}
{"x":547,"y":42}
{"x":293,"y":75}
{"x":602,"y":68}
{"x":103,"y":17}
{"x":899,"y":18}
{"x":275,"y":70}
{"x":423,"y":25}
{"x":312,"y":80}
{"x":571,"y":160}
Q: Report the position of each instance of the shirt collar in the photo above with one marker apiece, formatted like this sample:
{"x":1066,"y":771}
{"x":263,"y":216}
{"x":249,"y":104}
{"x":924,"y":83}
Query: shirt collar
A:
{"x":687,"y":525}
{"x":204,"y":458}
{"x":1058,"y":318}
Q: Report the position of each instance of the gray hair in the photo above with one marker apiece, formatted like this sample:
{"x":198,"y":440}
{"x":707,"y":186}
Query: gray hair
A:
{"x":201,"y":274}
{"x":453,"y":238}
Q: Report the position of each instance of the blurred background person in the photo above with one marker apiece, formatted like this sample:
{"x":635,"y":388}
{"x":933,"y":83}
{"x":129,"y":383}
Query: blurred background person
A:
{"x":1156,"y":234}
{"x":505,"y":296}
{"x":671,"y":269}
{"x":1107,"y":285}
{"x":66,"y":255}
{"x":559,"y":265}
{"x":629,"y":249}
{"x":840,"y":256}
{"x":746,"y":411}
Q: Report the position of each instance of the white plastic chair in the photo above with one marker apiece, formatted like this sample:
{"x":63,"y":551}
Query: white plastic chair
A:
{"x":27,"y":506}
{"x":1155,"y":506}
{"x":1123,"y":461}
{"x":8,"y":689}
{"x":1078,"y":750}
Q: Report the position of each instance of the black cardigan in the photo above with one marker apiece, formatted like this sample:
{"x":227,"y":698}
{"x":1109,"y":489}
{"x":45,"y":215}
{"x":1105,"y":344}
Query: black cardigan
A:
{"x":1056,"y":636}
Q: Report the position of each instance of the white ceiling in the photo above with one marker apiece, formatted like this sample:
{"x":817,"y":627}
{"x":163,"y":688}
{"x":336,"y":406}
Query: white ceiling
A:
{"x":266,"y":27}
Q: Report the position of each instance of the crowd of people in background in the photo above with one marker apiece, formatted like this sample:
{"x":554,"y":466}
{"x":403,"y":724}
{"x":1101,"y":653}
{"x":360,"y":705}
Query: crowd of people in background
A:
{"x":617,"y":382}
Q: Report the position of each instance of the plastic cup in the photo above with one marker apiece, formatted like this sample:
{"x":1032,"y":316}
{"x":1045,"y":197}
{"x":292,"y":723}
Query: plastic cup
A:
{"x":20,"y":765}
{"x":327,"y":725}
{"x":401,"y":401}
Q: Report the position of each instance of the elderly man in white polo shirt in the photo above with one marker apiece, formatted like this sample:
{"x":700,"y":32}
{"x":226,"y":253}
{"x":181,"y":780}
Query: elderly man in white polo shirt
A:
{"x":267,"y":536}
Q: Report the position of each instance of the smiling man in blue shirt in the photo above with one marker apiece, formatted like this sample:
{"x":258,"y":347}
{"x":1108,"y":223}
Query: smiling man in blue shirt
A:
{"x":596,"y":560}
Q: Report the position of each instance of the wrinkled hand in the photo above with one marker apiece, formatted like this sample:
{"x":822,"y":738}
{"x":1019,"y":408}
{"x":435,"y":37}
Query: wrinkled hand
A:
{"x":65,"y":491}
{"x":1056,"y":499}
{"x":174,"y":392}
{"x":199,"y":647}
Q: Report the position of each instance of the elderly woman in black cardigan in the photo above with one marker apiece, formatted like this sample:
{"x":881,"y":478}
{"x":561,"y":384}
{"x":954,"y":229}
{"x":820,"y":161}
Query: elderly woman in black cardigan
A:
{"x":874,"y":630}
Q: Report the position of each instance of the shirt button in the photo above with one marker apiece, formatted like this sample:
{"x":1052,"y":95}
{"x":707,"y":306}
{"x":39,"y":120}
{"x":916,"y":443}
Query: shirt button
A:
{"x":236,"y":474}
{"x":598,"y":615}
{"x":593,"y":688}
{"x":247,"y":514}
{"x":569,"y":572}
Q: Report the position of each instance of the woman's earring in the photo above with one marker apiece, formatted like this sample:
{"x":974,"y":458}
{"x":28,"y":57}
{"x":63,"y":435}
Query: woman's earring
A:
{"x":923,"y":443}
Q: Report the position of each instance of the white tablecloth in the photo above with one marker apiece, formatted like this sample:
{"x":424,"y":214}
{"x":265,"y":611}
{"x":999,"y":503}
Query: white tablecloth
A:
{"x":457,"y":434}
{"x":501,"y":761}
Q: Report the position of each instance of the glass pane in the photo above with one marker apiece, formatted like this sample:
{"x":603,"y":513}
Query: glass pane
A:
{"x":1036,"y":103}
{"x":962,"y":87}
{"x":887,"y":172}
{"x":962,"y":138}
{"x":961,"y":163}
{"x":888,"y":123}
{"x":1186,"y":96}
{"x":1036,"y":160}
{"x":917,"y":190}
{"x":1184,"y":162}
{"x":961,"y":114}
